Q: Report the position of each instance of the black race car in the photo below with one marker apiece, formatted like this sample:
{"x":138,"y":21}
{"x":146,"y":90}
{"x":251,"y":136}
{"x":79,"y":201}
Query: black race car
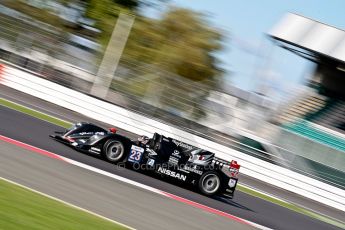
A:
{"x":162,"y":155}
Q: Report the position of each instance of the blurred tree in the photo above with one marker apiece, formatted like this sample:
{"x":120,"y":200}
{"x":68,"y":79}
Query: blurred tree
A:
{"x":181,"y":42}
{"x":130,"y":4}
{"x":65,"y":2}
{"x":105,"y":12}
{"x":136,"y":4}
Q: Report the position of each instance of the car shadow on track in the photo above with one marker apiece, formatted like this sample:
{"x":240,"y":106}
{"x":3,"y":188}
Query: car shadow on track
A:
{"x":190,"y":188}
{"x":231,"y":202}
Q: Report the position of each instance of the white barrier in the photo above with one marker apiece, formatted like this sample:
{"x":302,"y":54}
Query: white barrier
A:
{"x":122,"y":118}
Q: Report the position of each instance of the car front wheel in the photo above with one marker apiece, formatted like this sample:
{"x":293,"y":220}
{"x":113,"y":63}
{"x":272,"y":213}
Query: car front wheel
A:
{"x":113,"y":151}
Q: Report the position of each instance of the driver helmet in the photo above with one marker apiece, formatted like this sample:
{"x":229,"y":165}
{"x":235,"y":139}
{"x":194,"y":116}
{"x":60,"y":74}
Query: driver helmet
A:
{"x":144,"y":139}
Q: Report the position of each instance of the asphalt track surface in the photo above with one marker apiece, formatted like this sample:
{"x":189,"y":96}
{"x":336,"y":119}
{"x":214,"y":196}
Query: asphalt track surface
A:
{"x":105,"y":196}
{"x":33,"y":131}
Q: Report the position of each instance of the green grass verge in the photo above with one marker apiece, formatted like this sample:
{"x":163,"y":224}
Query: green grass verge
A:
{"x":290,"y":206}
{"x":21,"y":208}
{"x":244,"y":189}
{"x":34,"y":113}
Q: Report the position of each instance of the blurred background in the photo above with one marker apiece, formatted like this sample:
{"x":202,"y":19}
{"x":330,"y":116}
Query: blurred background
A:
{"x":243,"y":77}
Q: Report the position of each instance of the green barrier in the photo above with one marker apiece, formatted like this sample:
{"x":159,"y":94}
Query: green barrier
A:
{"x":303,"y":128}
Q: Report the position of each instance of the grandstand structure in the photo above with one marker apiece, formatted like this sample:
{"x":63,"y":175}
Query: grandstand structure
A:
{"x":320,"y":114}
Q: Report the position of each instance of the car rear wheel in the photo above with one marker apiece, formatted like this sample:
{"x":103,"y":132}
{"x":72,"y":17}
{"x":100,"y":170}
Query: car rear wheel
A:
{"x":209,"y":183}
{"x":113,"y":151}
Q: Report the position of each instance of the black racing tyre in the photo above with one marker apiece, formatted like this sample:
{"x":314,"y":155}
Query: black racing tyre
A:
{"x":114,"y":150}
{"x":209,"y":183}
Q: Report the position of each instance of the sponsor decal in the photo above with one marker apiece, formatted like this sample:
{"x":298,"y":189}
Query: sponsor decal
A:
{"x":182,"y":170}
{"x":137,"y":148}
{"x":85,"y":133}
{"x":173,"y":160}
{"x":172,"y":174}
{"x":135,"y":154}
{"x":150,"y":162}
{"x":234,"y":172}
{"x":95,"y":149}
{"x":91,"y":133}
{"x":183,"y":145}
{"x":176,"y":153}
{"x":192,"y":170}
{"x":232,"y":183}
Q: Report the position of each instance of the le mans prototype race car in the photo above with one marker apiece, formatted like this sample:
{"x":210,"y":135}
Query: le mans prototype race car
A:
{"x":166,"y":156}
